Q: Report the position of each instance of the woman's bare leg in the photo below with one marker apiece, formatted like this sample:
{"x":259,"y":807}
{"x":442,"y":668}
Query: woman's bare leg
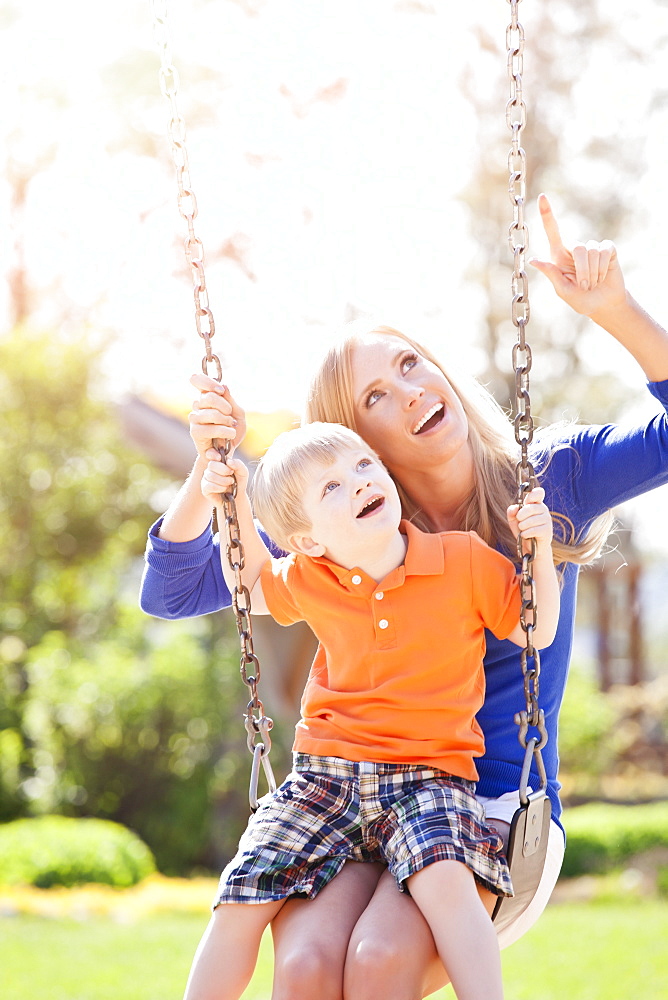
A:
{"x":392,"y":953}
{"x":311,"y":935}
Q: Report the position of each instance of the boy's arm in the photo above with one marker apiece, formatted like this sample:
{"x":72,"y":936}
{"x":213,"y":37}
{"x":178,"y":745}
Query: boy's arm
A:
{"x":533,"y":519}
{"x":219,"y":478}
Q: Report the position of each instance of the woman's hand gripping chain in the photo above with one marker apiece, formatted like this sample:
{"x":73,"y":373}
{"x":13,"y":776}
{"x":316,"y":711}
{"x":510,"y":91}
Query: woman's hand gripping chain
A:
{"x":215,"y":416}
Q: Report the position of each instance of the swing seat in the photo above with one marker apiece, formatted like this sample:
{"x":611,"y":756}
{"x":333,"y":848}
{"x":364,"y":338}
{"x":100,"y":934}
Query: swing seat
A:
{"x":527,"y":849}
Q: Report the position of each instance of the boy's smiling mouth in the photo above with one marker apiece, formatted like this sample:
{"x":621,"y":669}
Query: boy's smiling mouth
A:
{"x":432,"y":417}
{"x":371,"y":506}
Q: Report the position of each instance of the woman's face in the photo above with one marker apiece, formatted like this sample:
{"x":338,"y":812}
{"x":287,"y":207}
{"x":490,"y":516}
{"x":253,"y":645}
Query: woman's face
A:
{"x":405,"y":408}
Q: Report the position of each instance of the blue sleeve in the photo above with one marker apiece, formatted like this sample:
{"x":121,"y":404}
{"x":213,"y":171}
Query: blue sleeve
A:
{"x":185,"y":579}
{"x":588,"y":470}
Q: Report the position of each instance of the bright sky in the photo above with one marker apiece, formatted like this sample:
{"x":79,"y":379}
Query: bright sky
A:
{"x":348,"y":201}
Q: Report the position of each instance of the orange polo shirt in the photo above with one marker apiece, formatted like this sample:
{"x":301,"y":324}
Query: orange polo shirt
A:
{"x":398,"y":674}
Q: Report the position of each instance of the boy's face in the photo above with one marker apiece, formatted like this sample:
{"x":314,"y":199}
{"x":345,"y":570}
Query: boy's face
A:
{"x":353,"y":507}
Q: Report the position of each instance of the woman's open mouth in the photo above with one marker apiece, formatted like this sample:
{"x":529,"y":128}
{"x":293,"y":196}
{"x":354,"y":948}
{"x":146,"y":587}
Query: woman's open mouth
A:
{"x":431,"y":418}
{"x":371,"y":506}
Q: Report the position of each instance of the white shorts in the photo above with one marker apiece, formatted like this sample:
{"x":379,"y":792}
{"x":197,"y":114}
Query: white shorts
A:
{"x":504,"y":809}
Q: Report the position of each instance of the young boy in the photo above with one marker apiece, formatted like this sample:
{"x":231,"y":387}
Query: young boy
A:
{"x":384,"y":750}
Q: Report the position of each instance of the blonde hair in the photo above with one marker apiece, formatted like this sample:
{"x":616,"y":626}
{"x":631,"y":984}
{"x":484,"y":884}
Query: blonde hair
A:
{"x":286,"y":468}
{"x":495,"y":453}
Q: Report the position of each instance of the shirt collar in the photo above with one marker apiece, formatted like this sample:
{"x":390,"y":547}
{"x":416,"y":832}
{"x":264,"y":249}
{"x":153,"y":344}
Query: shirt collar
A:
{"x":424,"y":557}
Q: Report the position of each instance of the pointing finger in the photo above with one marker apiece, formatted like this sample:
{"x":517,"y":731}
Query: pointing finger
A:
{"x":550,"y":224}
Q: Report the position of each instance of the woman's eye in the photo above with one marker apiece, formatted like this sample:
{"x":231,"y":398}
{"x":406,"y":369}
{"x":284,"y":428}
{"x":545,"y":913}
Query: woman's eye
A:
{"x":373,"y":397}
{"x":408,"y":361}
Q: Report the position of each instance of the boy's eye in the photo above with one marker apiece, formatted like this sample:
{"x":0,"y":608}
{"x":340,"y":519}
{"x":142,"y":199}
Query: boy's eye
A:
{"x":329,"y":487}
{"x":364,"y":463}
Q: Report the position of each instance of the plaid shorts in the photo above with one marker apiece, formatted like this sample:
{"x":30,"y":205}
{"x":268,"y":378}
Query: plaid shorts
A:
{"x":329,"y":811}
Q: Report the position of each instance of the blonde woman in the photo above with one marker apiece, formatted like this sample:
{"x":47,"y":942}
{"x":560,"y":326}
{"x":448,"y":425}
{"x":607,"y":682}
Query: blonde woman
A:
{"x":452,"y":455}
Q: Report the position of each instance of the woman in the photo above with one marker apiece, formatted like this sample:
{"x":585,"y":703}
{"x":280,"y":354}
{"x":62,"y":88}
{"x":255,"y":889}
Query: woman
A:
{"x":451,"y":453}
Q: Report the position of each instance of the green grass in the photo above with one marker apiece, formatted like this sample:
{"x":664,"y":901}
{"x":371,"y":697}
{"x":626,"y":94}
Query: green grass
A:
{"x":99,"y":959}
{"x":582,"y":951}
{"x":591,"y":951}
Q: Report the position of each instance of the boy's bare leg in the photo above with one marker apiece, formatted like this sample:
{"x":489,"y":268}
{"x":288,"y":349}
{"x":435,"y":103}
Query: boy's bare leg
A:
{"x":460,"y":922}
{"x":311,"y":935}
{"x":226,"y":955}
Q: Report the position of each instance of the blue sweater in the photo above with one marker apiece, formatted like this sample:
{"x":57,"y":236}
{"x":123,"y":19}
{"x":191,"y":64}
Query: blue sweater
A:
{"x":584,"y":470}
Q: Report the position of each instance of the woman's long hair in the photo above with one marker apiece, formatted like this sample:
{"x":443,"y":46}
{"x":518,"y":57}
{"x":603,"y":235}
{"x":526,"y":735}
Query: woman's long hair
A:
{"x":493,"y":447}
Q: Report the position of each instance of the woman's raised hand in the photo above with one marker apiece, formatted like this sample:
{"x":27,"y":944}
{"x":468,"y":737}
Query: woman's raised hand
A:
{"x":588,"y":276}
{"x":214,"y":416}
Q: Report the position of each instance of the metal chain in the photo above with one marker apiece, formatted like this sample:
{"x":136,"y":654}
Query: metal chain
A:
{"x":257,"y":723}
{"x":518,"y":238}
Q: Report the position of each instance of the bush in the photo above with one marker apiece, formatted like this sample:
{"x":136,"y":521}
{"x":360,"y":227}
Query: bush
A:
{"x":57,"y":850}
{"x":662,"y":880}
{"x":588,"y":721}
{"x":601,"y":837}
{"x":137,"y":731}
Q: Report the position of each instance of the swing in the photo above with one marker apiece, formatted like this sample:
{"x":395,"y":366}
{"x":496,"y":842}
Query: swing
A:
{"x":530,"y":825}
{"x":257,"y":724}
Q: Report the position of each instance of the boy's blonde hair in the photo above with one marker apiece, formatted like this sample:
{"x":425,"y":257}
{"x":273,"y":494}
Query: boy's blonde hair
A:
{"x":493,"y":446}
{"x":286,"y":468}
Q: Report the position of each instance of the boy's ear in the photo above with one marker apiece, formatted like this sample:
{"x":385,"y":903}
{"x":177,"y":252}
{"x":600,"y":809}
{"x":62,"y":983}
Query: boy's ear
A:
{"x":306,"y":546}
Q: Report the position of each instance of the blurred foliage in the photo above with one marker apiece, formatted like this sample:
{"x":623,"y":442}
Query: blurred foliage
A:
{"x":613,"y":744}
{"x":75,"y":501}
{"x":601,"y":836}
{"x":103,"y":711}
{"x":587,"y":728}
{"x":561,"y":163}
{"x":54,"y":850}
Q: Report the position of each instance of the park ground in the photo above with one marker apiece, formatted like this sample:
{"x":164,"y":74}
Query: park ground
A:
{"x":600,"y":939}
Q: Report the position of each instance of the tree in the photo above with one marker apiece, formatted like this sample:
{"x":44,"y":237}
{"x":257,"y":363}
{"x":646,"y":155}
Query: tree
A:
{"x":561,"y":39}
{"x":103,"y":711}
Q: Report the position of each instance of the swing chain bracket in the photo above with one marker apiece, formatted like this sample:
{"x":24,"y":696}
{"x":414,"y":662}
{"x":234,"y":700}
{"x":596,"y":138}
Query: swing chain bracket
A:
{"x":260,"y":751}
{"x":525,"y":477}
{"x":256,"y":722}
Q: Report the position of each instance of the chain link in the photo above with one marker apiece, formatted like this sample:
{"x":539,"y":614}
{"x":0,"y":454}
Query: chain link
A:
{"x":256,"y":722}
{"x":518,"y":239}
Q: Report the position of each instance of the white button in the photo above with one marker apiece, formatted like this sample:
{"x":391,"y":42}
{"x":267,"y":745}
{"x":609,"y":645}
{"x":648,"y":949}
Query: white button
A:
{"x":380,"y":595}
{"x":357,"y":579}
{"x":383,"y":623}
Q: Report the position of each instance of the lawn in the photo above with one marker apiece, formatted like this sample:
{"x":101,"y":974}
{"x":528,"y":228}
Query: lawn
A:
{"x":582,"y":951}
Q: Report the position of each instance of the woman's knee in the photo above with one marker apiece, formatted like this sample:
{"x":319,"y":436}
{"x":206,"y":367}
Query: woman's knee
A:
{"x":391,"y":951}
{"x":381,"y":967}
{"x":307,"y":971}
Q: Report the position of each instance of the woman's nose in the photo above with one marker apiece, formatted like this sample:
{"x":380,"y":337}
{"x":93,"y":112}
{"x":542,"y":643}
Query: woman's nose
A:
{"x":412,"y":395}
